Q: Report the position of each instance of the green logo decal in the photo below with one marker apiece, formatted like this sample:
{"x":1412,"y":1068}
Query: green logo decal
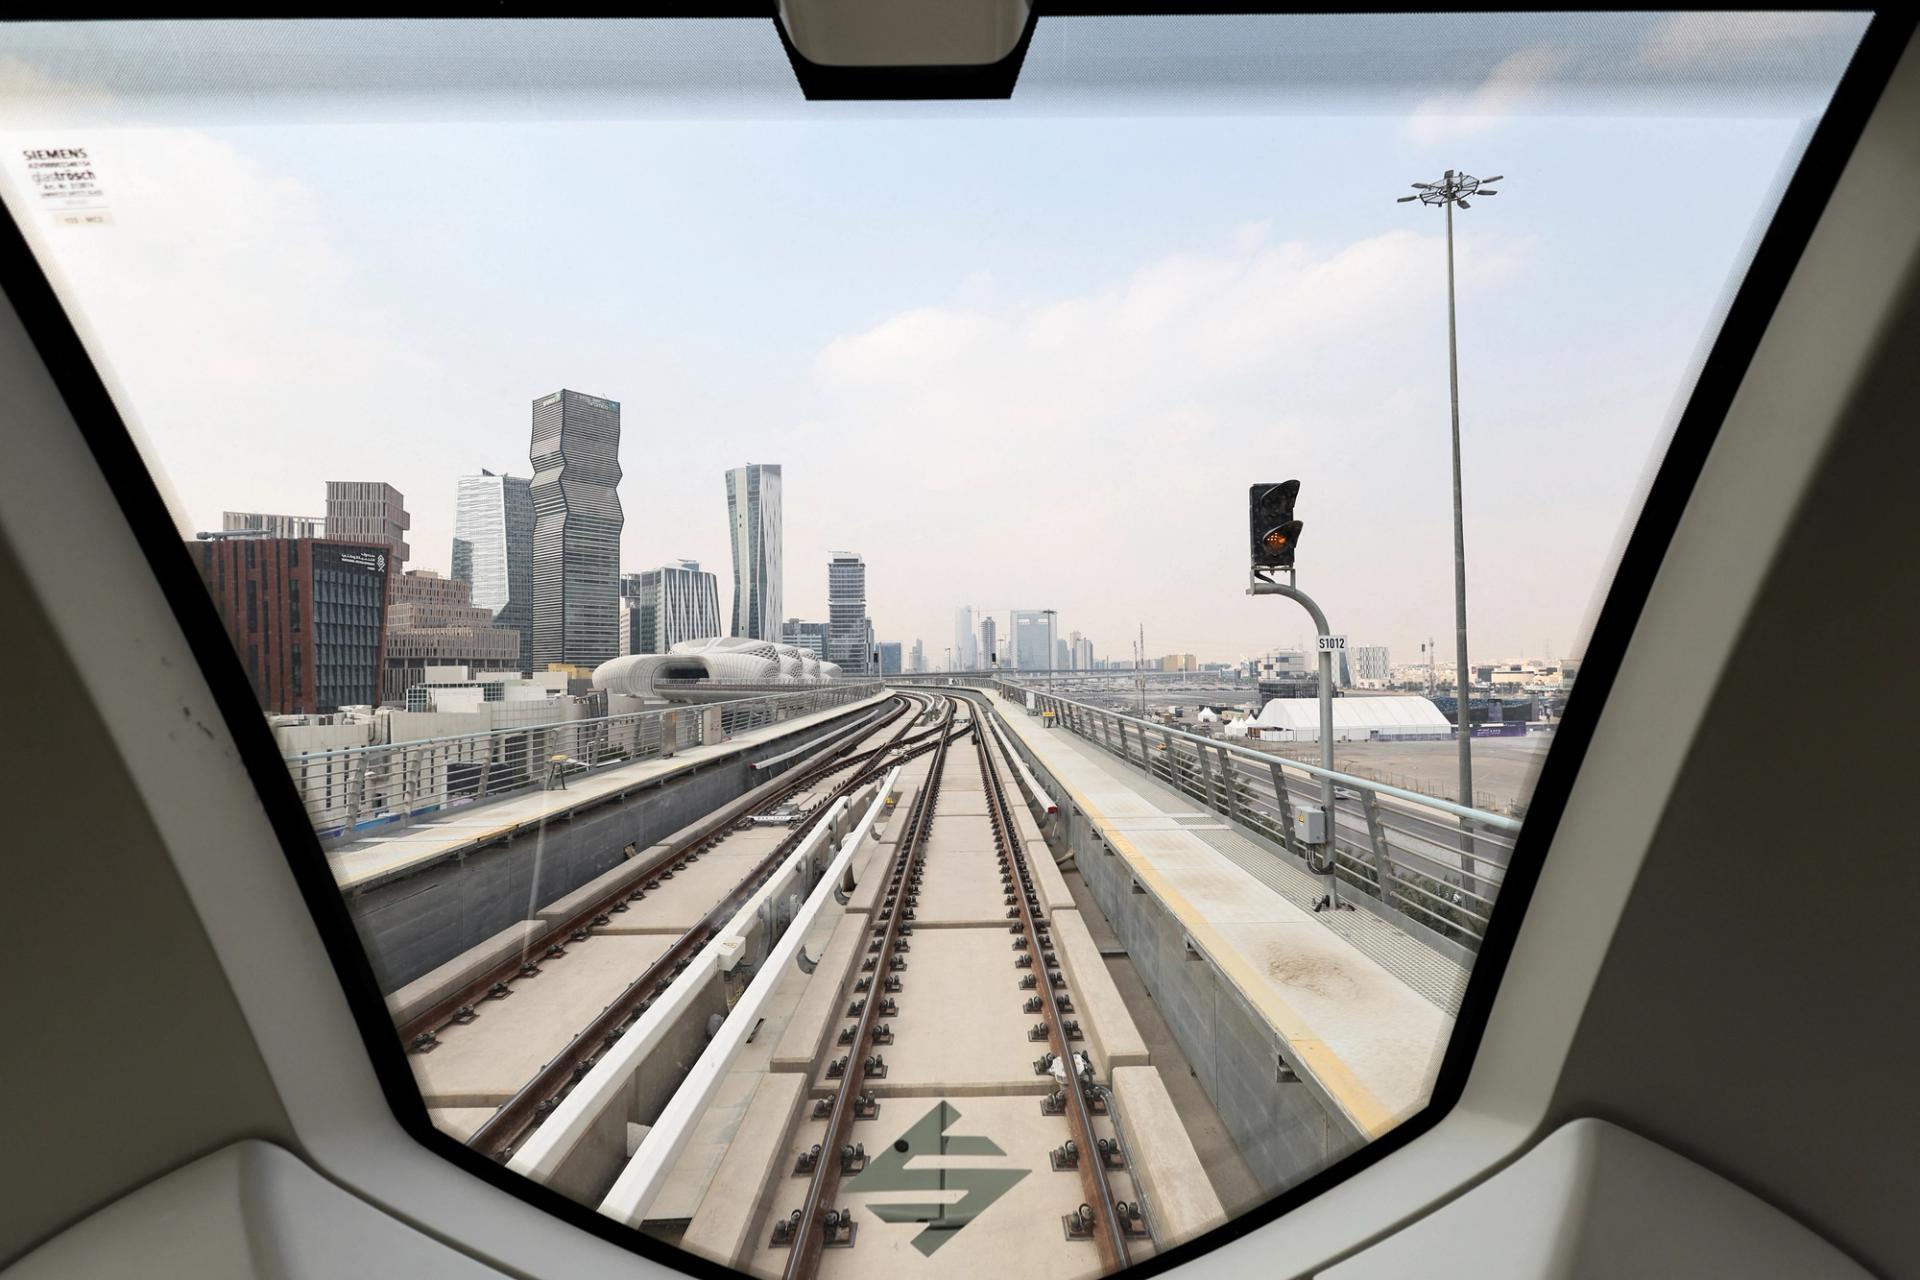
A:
{"x":928,"y":1139}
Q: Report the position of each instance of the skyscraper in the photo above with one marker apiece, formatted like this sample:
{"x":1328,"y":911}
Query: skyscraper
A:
{"x":1033,"y":639}
{"x":848,"y":630}
{"x":889,"y":657}
{"x":919,"y":659}
{"x":672,"y":603}
{"x":753,"y":515}
{"x":368,"y":511}
{"x":576,"y":529}
{"x":990,"y":655}
{"x":965,"y":655}
{"x":493,"y":551}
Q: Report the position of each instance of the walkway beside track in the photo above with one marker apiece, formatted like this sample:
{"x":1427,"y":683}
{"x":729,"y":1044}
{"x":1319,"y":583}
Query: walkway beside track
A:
{"x":1368,"y":1034}
{"x":386,"y":853}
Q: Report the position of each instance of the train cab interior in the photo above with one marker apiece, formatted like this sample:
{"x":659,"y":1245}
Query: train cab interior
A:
{"x":1684,"y":1035}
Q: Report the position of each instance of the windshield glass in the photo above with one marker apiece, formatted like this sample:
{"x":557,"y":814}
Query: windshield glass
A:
{"x":862,"y":666}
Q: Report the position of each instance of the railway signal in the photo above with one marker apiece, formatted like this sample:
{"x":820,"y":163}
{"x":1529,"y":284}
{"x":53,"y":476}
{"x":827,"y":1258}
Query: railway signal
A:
{"x":1274,"y":531}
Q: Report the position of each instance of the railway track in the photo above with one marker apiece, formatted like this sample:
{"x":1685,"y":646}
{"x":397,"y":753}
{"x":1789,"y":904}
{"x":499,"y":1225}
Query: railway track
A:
{"x":873,"y":997}
{"x":849,"y":761}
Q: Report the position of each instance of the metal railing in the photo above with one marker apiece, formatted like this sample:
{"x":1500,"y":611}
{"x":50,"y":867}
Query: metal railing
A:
{"x":1416,"y":858}
{"x":350,"y":790}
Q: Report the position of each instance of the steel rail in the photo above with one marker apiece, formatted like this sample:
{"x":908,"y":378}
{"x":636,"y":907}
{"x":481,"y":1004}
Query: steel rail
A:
{"x":503,"y":1130}
{"x":705,"y":834}
{"x":810,"y":1239}
{"x":1108,"y":1235}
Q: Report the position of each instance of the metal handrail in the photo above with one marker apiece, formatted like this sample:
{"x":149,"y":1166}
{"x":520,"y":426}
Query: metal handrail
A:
{"x":1493,"y":820}
{"x":347,"y":788}
{"x":866,"y":686}
{"x":1396,"y":846}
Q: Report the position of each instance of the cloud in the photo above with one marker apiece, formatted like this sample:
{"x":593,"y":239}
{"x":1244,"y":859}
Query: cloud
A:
{"x":29,"y":97}
{"x":1072,"y":452}
{"x":1518,"y":80}
{"x":1684,"y":63}
{"x":221,"y":294}
{"x":1737,"y":41}
{"x":1172,"y":329}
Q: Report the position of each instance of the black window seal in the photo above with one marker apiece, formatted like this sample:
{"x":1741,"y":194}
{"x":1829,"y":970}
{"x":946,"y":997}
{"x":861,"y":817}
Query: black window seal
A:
{"x":99,"y":422}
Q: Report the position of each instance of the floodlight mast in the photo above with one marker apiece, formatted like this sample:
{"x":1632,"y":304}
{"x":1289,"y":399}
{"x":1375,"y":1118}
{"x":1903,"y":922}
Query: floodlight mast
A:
{"x":1453,"y":188}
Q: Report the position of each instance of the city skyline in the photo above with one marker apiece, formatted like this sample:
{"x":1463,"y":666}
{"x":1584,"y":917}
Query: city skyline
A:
{"x":1224,"y":333}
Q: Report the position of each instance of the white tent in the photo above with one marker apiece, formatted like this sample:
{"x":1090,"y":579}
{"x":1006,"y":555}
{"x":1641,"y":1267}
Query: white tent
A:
{"x":1354,"y":719}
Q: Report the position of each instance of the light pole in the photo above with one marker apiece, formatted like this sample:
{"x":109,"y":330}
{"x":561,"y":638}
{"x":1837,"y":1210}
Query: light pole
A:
{"x":1052,"y":617}
{"x":1455,"y":188}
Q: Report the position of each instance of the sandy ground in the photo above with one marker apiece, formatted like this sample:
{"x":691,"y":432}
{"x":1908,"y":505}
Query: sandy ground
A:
{"x":1504,"y":769}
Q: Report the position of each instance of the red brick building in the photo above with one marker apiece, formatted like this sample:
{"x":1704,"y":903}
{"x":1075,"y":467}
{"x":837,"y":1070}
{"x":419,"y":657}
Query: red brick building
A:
{"x":306,"y":615}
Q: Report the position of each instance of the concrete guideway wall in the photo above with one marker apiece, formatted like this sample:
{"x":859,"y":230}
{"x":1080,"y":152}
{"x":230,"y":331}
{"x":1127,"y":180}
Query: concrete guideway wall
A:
{"x":413,"y":924}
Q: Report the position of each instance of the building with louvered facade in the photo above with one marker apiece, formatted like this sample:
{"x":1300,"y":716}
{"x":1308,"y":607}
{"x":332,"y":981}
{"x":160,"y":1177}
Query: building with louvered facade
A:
{"x":369,"y":511}
{"x":576,"y":529}
{"x":432,"y":622}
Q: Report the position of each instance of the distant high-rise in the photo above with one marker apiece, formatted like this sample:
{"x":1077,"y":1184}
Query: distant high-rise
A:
{"x":1033,"y":639}
{"x":667,"y":605}
{"x":368,"y":511}
{"x":274,"y":526}
{"x":1372,"y":664}
{"x":889,"y":657}
{"x":493,"y":551}
{"x":576,"y":529}
{"x":965,"y":652}
{"x":1081,"y":651}
{"x":918,"y":661}
{"x":753,"y":515}
{"x":1062,"y":656}
{"x":849,"y":632}
{"x":990,"y":655}
{"x":811,"y":636}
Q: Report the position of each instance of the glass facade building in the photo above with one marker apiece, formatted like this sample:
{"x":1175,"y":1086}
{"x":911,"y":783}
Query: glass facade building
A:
{"x":664,"y":606}
{"x":811,"y":636}
{"x":1033,"y":639}
{"x":753,"y":516}
{"x":849,"y":633}
{"x":493,"y":551}
{"x":576,"y":529}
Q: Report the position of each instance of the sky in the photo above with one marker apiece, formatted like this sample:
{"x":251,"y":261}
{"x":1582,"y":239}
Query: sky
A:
{"x":1024,"y":355}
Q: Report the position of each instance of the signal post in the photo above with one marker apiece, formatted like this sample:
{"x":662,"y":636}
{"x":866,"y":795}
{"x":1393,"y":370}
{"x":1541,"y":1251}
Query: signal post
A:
{"x":1275,"y":533}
